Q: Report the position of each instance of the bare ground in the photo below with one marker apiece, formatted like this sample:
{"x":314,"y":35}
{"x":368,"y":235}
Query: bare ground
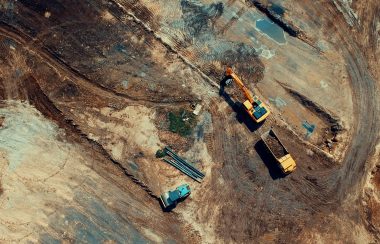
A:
{"x":96,"y":81}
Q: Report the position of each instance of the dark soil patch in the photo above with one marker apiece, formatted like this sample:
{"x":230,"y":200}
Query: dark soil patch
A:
{"x":160,"y":153}
{"x":199,"y":18}
{"x":69,"y":90}
{"x":275,"y":146}
{"x":376,"y":178}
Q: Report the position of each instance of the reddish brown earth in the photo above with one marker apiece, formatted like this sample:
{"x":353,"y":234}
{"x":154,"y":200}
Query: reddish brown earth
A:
{"x":86,"y":88}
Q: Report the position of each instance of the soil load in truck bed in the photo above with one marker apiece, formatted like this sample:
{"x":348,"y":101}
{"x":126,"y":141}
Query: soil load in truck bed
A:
{"x":274,"y":144}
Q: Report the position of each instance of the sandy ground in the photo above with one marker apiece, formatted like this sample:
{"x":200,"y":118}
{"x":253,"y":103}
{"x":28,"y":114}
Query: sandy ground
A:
{"x":56,"y":187}
{"x":86,"y":90}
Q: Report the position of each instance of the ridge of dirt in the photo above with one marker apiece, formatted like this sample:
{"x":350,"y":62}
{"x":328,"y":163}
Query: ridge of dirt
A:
{"x":56,"y":61}
{"x":312,"y":106}
{"x":335,"y":127}
{"x":38,"y":98}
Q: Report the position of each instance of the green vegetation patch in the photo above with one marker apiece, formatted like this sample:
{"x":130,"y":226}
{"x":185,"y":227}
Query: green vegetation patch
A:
{"x":160,"y":153}
{"x":181,"y":122}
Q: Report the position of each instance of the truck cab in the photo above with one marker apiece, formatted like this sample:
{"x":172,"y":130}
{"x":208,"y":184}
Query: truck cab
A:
{"x":287,"y":164}
{"x":171,"y":198}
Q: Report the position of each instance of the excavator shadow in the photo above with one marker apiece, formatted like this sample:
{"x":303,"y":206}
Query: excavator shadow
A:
{"x":237,"y":107}
{"x":269,"y":161}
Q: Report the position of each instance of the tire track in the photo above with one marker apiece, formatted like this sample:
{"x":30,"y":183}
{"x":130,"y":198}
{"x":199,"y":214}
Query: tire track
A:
{"x":366,"y":102}
{"x":164,"y":43}
{"x":39,"y":99}
{"x":62,"y":67}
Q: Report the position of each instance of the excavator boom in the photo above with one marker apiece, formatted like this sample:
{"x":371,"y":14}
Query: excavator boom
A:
{"x":247,"y":93}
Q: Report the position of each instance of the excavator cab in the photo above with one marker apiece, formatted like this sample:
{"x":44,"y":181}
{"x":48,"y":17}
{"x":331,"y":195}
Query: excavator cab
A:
{"x":259,"y":113}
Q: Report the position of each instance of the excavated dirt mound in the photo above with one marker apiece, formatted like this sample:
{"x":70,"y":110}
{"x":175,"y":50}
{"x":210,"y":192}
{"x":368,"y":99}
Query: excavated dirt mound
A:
{"x":275,"y":146}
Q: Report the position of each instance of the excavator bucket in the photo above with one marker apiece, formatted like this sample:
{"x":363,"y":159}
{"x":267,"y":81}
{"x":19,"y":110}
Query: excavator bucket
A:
{"x":229,"y":71}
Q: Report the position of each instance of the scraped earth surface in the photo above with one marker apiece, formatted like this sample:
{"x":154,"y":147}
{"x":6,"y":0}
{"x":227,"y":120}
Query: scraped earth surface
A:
{"x":87,"y":89}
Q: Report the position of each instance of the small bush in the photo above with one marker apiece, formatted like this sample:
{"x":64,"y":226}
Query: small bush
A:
{"x":160,"y":153}
{"x":181,"y":122}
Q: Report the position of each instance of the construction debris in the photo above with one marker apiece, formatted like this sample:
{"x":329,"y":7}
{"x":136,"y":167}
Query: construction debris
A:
{"x":197,"y":109}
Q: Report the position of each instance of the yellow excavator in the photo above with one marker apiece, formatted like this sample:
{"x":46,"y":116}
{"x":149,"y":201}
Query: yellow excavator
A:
{"x":254,"y":107}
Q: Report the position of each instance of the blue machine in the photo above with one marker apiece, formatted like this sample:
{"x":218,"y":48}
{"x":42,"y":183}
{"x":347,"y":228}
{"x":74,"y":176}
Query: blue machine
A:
{"x":171,"y":198}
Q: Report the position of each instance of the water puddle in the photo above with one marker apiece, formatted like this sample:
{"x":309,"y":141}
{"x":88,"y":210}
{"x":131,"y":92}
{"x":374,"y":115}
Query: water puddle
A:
{"x":272,"y":30}
{"x":309,"y":128}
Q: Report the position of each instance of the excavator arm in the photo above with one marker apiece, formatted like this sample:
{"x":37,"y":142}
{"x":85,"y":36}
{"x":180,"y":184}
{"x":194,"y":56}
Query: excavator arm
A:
{"x":247,"y":93}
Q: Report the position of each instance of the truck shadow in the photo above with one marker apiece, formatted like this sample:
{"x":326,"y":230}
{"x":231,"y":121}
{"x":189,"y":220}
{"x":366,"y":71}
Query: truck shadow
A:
{"x":170,"y":208}
{"x":269,"y":161}
{"x":237,"y":107}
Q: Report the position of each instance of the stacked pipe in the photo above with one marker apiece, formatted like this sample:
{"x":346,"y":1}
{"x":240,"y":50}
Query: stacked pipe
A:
{"x":182,"y":165}
{"x":182,"y":169}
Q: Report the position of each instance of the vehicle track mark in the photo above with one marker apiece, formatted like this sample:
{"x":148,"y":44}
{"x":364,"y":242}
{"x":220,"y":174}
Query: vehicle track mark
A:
{"x":232,"y":21}
{"x":165,"y":43}
{"x":39,"y":99}
{"x":61,"y":67}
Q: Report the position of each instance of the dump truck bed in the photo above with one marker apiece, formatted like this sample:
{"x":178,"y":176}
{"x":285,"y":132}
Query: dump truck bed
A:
{"x":274,"y":144}
{"x":278,"y":150}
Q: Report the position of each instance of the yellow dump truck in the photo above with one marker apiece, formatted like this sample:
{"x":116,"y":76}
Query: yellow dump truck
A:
{"x":278,"y":150}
